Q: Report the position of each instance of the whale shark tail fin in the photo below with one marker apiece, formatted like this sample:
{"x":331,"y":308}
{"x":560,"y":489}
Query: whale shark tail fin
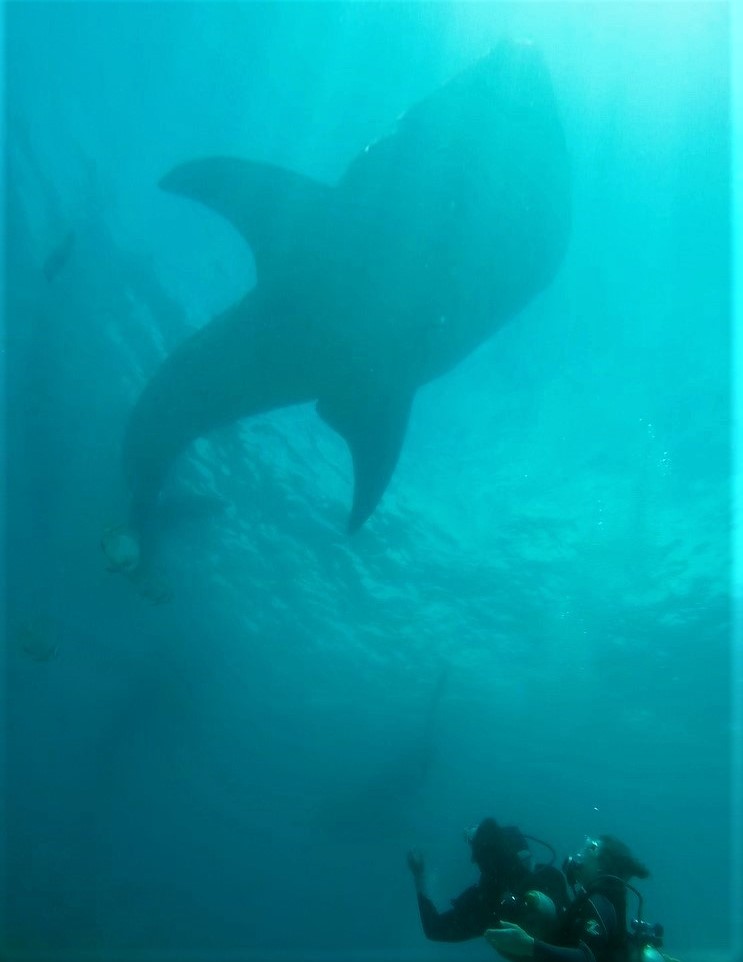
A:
{"x":267,"y":205}
{"x":374,"y":433}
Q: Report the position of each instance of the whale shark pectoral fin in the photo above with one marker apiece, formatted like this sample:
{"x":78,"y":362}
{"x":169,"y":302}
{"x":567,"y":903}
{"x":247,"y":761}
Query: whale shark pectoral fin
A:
{"x":374,"y":431}
{"x":267,"y":205}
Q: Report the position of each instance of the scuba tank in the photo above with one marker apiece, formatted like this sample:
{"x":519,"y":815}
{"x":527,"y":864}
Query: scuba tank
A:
{"x":645,"y":940}
{"x":534,"y":911}
{"x":649,"y":953}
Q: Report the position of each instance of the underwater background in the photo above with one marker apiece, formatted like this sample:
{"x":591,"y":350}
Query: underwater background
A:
{"x":535,"y":623}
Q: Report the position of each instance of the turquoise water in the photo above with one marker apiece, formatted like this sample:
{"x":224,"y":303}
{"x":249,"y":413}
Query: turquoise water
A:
{"x":535,"y":623}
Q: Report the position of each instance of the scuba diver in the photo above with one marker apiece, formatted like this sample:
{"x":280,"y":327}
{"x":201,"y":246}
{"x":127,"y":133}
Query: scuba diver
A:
{"x":594,"y":927}
{"x":508,"y":888}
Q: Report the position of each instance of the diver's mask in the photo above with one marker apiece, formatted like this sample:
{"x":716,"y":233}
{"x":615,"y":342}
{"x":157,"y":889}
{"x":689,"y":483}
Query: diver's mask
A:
{"x":573,"y":865}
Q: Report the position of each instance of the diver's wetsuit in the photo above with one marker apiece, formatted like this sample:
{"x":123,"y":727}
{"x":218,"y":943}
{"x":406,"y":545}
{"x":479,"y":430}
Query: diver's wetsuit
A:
{"x":475,"y":910}
{"x":594,"y":929}
{"x":478,"y":907}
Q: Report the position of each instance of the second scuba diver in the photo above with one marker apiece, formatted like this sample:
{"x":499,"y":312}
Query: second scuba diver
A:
{"x":594,"y":927}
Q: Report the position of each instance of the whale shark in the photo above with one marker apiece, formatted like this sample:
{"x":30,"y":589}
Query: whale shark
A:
{"x":436,"y":234}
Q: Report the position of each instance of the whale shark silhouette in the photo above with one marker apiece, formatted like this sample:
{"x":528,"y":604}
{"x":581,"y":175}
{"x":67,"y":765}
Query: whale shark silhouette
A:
{"x":435,"y":235}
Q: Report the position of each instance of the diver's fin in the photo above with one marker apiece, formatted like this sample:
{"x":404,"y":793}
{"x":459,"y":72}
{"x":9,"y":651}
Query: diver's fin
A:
{"x":374,"y":434}
{"x":266,"y":204}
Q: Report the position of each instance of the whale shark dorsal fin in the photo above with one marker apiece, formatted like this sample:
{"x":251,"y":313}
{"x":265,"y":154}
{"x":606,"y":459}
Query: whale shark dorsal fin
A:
{"x":267,"y":205}
{"x":374,"y":430}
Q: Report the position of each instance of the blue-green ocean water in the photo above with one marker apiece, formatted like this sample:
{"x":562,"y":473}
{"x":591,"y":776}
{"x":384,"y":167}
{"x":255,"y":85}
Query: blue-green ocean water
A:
{"x":535,"y":624}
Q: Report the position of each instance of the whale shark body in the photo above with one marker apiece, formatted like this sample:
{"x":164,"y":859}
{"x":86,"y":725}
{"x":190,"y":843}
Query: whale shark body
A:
{"x":435,"y":235}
